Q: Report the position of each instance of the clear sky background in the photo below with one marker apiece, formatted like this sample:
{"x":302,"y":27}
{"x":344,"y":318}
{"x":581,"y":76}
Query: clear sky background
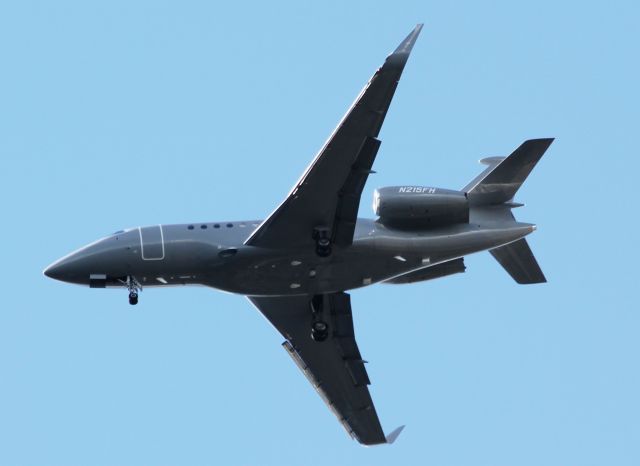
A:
{"x":116,"y":114}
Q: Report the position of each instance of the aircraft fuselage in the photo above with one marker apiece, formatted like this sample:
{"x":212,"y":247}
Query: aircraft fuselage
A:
{"x":214,"y":254}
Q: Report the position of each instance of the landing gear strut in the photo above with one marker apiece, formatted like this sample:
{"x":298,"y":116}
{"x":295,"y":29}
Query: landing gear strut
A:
{"x":319,"y":328}
{"x":134,"y":287}
{"x":322,"y":235}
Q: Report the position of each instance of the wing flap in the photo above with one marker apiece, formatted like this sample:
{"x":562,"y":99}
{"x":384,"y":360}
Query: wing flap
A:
{"x":349,"y":195}
{"x":345,"y":339}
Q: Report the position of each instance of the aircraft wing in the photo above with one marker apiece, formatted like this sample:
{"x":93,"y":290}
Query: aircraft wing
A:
{"x":328,"y":193}
{"x":334,"y":367}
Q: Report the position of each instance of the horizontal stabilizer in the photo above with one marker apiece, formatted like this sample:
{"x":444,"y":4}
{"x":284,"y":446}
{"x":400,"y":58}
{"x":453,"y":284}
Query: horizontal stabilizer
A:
{"x":518,"y":260}
{"x":504,"y":176}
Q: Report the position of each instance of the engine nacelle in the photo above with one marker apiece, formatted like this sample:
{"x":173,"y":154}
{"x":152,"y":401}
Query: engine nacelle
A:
{"x":420,"y":206}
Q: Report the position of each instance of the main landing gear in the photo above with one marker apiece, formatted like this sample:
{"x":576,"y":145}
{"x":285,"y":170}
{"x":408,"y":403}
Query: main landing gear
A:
{"x":134,"y":287}
{"x":319,"y":304}
{"x":319,"y":328}
{"x":322,"y":236}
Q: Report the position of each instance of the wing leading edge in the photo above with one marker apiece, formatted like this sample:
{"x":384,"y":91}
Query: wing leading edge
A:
{"x":328,"y":193}
{"x":334,"y":367}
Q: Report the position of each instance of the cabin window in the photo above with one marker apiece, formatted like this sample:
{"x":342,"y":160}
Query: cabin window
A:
{"x":204,"y":227}
{"x":190,"y":227}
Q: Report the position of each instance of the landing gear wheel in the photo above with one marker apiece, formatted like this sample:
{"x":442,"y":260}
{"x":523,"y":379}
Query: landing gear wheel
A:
{"x":323,"y":247}
{"x":134,"y":287}
{"x":322,"y":235}
{"x":319,"y":330}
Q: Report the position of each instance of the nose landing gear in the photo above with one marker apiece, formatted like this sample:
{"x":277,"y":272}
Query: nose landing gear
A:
{"x":134,"y":287}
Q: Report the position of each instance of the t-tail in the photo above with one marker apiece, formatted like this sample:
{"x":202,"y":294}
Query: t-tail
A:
{"x":496,"y":186}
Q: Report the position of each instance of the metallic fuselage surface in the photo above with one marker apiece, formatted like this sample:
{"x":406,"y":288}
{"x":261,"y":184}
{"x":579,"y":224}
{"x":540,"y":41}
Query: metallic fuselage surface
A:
{"x":214,"y":254}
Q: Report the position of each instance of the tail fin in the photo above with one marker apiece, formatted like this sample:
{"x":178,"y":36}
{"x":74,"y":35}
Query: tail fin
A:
{"x":518,"y":260}
{"x":497,"y":184}
{"x":504,"y":176}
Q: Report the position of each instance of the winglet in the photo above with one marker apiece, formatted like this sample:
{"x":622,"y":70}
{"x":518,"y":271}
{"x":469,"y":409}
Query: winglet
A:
{"x":401,"y":53}
{"x":394,"y":435}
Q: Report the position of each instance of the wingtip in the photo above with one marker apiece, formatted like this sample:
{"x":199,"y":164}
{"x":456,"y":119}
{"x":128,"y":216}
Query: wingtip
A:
{"x":394,"y":435}
{"x":401,"y":54}
{"x":407,"y":44}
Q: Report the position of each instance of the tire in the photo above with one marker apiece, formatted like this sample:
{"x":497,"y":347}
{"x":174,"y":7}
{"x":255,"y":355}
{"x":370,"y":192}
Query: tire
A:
{"x":319,"y":331}
{"x":323,"y":251}
{"x":320,"y":326}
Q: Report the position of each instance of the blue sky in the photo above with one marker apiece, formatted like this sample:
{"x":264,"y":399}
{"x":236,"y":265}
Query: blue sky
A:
{"x":117,"y":114}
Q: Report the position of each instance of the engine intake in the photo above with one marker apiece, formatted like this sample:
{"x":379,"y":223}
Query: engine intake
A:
{"x":420,"y":206}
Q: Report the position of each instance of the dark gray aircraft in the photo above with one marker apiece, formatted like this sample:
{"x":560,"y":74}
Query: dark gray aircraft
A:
{"x":296,"y":265}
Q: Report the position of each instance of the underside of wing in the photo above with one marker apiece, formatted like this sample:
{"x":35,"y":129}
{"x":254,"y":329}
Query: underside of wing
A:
{"x":327,"y":196}
{"x":334,"y":366}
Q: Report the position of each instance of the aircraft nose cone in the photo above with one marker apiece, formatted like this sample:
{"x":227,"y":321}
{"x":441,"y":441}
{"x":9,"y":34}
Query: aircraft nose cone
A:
{"x":73,"y":268}
{"x":51,"y":271}
{"x":60,"y":270}
{"x":103,"y":256}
